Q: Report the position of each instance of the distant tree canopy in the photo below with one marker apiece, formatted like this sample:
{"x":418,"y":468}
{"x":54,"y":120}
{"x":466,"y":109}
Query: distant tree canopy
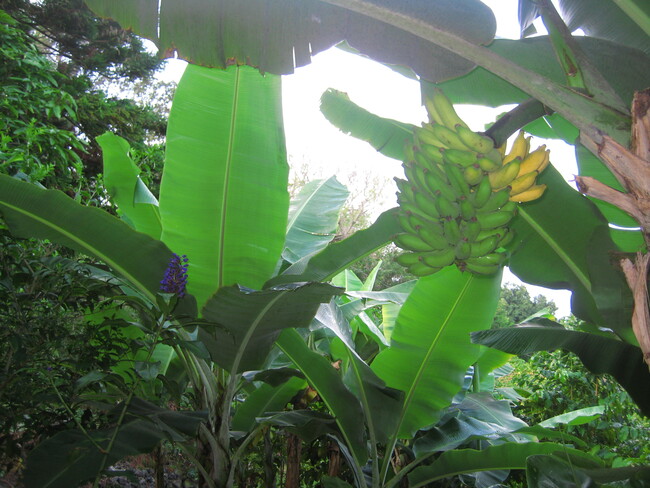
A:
{"x":59,"y":63}
{"x":516,"y":304}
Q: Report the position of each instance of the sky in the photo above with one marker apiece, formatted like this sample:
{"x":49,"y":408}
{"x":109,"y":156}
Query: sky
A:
{"x":313,"y":141}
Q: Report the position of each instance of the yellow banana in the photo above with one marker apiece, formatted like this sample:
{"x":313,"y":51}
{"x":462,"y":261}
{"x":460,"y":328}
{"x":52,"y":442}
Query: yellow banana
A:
{"x":522,"y":183}
{"x":504,"y":176}
{"x":533,"y":161}
{"x":519,"y":148}
{"x":533,"y":193}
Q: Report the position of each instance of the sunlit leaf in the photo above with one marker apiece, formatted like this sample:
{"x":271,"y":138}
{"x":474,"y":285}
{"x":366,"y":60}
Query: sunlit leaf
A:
{"x":313,"y":218}
{"x":50,"y":214}
{"x":223,"y":195}
{"x":432,"y":335}
{"x":126,"y":188}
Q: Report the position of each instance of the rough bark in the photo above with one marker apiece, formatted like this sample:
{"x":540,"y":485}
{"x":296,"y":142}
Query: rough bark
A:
{"x":631,"y":167}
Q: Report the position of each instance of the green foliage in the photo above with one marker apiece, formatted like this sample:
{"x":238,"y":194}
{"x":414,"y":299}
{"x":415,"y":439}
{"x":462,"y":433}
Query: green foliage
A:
{"x":33,"y":113}
{"x":516,"y":304}
{"x":556,"y":382}
{"x":47,"y":341}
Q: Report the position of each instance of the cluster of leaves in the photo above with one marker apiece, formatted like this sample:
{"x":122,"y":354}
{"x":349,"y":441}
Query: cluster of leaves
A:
{"x":44,"y":302}
{"x":60,"y":62}
{"x":34,"y":111}
{"x":516,"y":305}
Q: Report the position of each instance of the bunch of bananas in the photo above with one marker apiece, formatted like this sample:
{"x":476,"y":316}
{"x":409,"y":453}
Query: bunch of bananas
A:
{"x":460,"y":194}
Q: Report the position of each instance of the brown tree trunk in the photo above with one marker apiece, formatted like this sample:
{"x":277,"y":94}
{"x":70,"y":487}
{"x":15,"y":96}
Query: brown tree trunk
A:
{"x":334,"y":467}
{"x":294,"y":451}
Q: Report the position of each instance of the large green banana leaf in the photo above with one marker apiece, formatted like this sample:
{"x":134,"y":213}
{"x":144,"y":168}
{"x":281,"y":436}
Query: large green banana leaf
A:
{"x":136,"y":205}
{"x":50,"y":214}
{"x":223,"y":196}
{"x":338,"y":256}
{"x":430,"y":349}
{"x":569,"y":249}
{"x":245,"y":323}
{"x":626,"y":69}
{"x":386,"y":135}
{"x":277,"y":36}
{"x":326,"y":380}
{"x":313,"y":218}
{"x":506,"y":456}
{"x":599,"y":354}
{"x":626,"y":22}
{"x":264,"y":400}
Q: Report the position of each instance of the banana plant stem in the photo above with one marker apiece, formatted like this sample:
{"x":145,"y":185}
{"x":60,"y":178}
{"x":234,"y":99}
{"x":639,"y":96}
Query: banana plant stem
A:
{"x":577,"y":108}
{"x":638,"y":11}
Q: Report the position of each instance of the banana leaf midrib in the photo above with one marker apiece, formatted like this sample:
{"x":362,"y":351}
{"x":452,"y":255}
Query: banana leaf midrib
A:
{"x":296,"y":215}
{"x":94,"y":251}
{"x":411,"y":392}
{"x":559,"y":251}
{"x":227,"y":172}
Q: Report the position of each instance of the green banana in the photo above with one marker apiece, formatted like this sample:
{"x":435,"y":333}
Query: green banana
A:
{"x":439,"y":259}
{"x":409,"y":258}
{"x":425,"y":135}
{"x":405,"y":222}
{"x":448,"y":137}
{"x":482,"y":269}
{"x":446,"y":208}
{"x":481,"y":193}
{"x":445,"y":109}
{"x":495,"y":219}
{"x":470,"y":229}
{"x":432,"y":153}
{"x":485,"y":246}
{"x":463,"y":249}
{"x":428,"y":205}
{"x":421,"y":269}
{"x":439,"y":185}
{"x":433,"y":236}
{"x":488,"y":165}
{"x":507,"y":238}
{"x":467,"y":210}
{"x":410,"y":242}
{"x":474,"y":140}
{"x":452,"y":231}
{"x":495,"y":201}
{"x":460,"y":157}
{"x":456,"y":179}
{"x":473,"y":174}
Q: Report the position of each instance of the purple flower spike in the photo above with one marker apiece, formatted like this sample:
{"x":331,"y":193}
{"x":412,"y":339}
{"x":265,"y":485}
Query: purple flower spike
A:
{"x":175,"y":279}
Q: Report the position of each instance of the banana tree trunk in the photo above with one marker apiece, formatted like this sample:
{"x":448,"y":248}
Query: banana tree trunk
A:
{"x":632,"y":170}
